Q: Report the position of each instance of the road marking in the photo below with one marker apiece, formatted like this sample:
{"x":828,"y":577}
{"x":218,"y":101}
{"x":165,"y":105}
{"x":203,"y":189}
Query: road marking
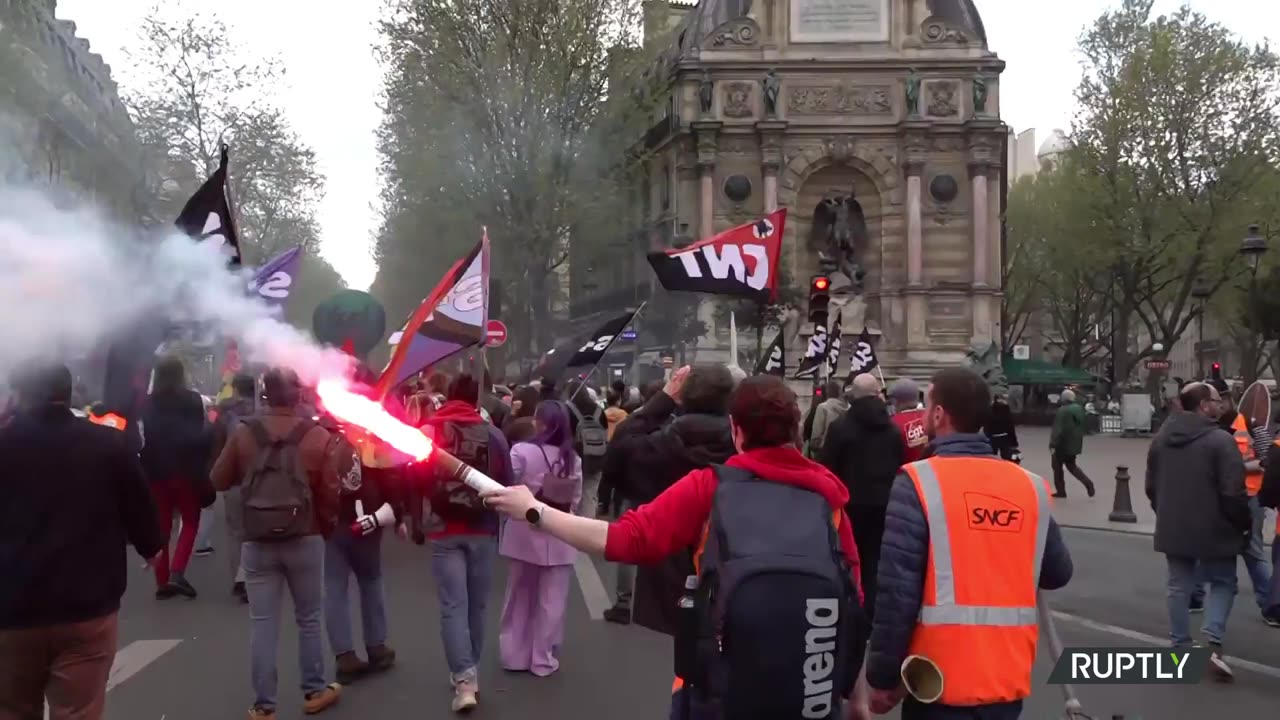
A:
{"x":593,"y":592}
{"x":1232,"y":660}
{"x":130,"y":660}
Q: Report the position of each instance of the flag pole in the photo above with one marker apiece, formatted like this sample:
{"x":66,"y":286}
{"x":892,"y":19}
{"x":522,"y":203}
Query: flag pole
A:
{"x":607,"y":348}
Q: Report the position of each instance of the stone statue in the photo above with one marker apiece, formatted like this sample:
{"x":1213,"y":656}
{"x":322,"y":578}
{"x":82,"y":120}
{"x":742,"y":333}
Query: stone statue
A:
{"x":980,"y":94}
{"x":771,"y":89}
{"x":913,"y":93}
{"x":986,"y":362}
{"x":706,"y":92}
{"x":840,"y":234}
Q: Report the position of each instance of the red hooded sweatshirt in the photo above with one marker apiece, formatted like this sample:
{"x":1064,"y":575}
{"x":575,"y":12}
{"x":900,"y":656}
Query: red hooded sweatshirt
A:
{"x":456,"y":411}
{"x":674,"y":520}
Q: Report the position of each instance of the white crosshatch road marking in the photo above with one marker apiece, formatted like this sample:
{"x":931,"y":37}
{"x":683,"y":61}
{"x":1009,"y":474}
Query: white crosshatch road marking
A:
{"x":132,"y":659}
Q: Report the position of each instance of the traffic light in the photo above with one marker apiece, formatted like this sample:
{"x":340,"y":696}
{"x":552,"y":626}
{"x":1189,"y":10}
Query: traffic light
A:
{"x":1216,"y":372}
{"x":819,"y":298}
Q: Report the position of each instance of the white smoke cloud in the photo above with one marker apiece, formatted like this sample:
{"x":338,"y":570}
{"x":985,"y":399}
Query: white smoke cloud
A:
{"x":70,"y":281}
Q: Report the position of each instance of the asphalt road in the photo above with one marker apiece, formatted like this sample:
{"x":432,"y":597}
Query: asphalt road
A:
{"x":187,"y":660}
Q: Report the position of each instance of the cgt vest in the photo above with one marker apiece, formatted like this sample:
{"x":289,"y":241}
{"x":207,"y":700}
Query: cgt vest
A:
{"x":111,"y":420}
{"x":1244,"y":443}
{"x":988,"y":520}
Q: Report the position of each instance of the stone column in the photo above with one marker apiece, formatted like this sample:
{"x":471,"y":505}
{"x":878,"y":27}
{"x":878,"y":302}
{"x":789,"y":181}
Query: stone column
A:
{"x":770,"y":160}
{"x":915,"y":224}
{"x":984,"y":153}
{"x":706,"y":133}
{"x":981,"y":230}
{"x":916,"y":148}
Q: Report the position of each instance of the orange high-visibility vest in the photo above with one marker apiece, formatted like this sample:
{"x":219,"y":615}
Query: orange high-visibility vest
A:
{"x":110,"y":420}
{"x":1244,"y":443}
{"x":988,"y":520}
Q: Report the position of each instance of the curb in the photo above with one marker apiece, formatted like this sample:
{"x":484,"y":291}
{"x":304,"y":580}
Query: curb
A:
{"x":1118,"y":531}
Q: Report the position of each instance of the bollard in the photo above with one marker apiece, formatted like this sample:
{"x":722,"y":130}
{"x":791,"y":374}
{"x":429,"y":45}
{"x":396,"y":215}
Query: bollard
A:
{"x":1122,"y":507}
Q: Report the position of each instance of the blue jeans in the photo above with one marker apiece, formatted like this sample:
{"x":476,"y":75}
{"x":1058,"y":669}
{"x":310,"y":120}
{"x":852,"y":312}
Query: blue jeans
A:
{"x":1183,"y":577}
{"x":269,"y":568}
{"x":1255,"y":560}
{"x":463,"y":569}
{"x":345,"y":554}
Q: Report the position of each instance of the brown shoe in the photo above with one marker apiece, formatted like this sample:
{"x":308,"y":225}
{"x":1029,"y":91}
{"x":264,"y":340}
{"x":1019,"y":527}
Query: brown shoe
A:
{"x":350,"y":668}
{"x":321,"y":700}
{"x":381,"y":658}
{"x":257,"y":713}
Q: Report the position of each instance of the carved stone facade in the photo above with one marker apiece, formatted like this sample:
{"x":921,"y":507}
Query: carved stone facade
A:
{"x":62,"y":123}
{"x":893,"y":103}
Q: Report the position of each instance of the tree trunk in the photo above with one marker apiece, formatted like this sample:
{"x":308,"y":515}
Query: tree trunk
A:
{"x":540,"y":309}
{"x":1120,"y":348}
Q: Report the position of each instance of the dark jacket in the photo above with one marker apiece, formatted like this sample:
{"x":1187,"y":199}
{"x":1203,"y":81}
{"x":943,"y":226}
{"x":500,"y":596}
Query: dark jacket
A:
{"x":174,"y":442}
{"x":865,"y":450}
{"x":656,"y":451}
{"x":1001,"y":431}
{"x":904,"y":555}
{"x":71,"y":498}
{"x":325,"y":456}
{"x":1067,"y":436}
{"x":1269,"y":495}
{"x":1195,"y":482}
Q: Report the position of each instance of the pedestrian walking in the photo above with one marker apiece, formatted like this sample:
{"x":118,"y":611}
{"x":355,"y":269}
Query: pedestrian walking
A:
{"x":908,"y":415}
{"x":175,"y":457}
{"x":835,"y":406}
{"x":1066,"y":443}
{"x":72,"y":496}
{"x":1002,"y":432}
{"x":242,"y":405}
{"x":1195,"y":482}
{"x":541,"y":566}
{"x":865,"y":450}
{"x":963,"y":594}
{"x":590,"y":439}
{"x":1269,"y":497}
{"x":286,"y":467}
{"x":462,"y":532}
{"x":1255,"y":552}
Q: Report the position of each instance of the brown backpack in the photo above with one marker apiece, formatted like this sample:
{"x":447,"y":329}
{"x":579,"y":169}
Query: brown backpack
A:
{"x":276,"y":493}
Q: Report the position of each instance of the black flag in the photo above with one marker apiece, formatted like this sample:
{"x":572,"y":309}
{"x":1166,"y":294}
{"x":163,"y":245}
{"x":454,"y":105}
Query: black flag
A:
{"x":774,"y":360}
{"x":864,"y":356}
{"x":816,"y":355}
{"x":601,"y":340}
{"x":207,"y":215}
{"x":833,"y":348}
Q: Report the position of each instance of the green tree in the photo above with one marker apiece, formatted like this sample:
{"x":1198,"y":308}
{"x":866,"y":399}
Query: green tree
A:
{"x":1176,"y":125}
{"x":190,"y":89}
{"x":499,"y":114}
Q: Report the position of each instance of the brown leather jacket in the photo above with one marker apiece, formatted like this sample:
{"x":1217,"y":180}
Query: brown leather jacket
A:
{"x":326,"y":456}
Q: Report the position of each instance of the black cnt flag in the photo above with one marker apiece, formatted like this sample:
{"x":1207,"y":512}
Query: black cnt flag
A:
{"x":816,"y":355}
{"x":774,"y":360}
{"x":601,"y":340}
{"x":864,"y":356}
{"x":207,"y":215}
{"x":833,"y":348}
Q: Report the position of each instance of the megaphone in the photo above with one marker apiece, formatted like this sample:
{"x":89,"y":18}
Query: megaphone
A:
{"x":922,"y":678}
{"x":366,"y":524}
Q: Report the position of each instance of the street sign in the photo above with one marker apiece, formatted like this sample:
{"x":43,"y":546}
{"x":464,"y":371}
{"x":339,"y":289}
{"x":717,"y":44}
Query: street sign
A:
{"x":495,"y":333}
{"x":627,"y":335}
{"x":668,"y":362}
{"x":1021,"y":352}
{"x":1158,"y":365}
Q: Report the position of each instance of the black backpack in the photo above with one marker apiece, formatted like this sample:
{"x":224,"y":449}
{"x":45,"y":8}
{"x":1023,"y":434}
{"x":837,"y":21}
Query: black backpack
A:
{"x":452,"y":499}
{"x":775,"y":629}
{"x":592,"y":439}
{"x":277,"y":491}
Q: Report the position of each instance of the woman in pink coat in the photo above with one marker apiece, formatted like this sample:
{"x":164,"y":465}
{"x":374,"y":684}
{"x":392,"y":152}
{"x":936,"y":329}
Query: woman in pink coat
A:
{"x":541,"y":566}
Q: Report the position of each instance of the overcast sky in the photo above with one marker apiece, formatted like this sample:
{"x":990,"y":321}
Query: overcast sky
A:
{"x":333,"y":80}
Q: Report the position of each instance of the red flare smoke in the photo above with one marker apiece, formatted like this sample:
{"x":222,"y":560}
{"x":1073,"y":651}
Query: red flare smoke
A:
{"x":358,"y":410}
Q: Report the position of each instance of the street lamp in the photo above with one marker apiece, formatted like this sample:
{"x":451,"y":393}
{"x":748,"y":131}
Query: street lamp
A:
{"x":1201,"y":291}
{"x":1253,"y":247}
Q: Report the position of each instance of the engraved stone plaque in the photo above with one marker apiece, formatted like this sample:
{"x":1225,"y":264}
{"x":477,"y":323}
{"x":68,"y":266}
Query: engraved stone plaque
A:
{"x":839,"y":21}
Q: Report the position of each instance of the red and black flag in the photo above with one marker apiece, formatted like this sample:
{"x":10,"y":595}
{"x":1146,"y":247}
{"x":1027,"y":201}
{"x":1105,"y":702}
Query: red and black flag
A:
{"x":742,"y":261}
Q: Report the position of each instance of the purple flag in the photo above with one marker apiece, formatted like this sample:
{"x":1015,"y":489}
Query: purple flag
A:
{"x":274,"y":280}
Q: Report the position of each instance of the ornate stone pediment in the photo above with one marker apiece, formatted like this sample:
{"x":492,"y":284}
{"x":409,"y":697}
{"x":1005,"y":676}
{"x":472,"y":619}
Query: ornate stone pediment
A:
{"x":841,"y":100}
{"x":742,"y":32}
{"x":938,"y":31}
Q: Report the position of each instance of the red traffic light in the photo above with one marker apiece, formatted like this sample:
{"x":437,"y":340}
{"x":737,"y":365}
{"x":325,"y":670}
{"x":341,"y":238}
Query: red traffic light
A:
{"x":821,"y":283}
{"x":1217,"y":366}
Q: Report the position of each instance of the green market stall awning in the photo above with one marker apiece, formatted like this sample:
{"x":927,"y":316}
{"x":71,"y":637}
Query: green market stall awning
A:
{"x":1040,"y":372}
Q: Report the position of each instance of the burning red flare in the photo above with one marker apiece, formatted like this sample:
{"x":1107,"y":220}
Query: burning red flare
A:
{"x":358,"y":410}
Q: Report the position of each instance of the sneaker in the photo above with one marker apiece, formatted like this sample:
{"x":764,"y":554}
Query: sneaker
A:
{"x":1060,"y":496}
{"x":257,"y":713}
{"x":618,"y":615}
{"x":165,"y":592}
{"x":464,"y":699}
{"x":1091,"y":490}
{"x":381,"y":658}
{"x":1273,"y":620}
{"x":350,"y":668}
{"x":1197,"y":606}
{"x":181,"y":587}
{"x":239,"y":591}
{"x":203,"y":552}
{"x":321,"y":700}
{"x":1218,"y":667}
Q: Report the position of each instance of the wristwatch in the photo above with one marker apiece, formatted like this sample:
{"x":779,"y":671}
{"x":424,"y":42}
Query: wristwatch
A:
{"x":533,"y":515}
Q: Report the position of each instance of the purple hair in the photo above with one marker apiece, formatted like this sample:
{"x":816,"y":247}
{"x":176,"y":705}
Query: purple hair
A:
{"x":555,"y":431}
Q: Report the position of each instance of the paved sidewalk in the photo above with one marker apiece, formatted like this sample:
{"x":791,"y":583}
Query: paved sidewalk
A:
{"x":1102,"y":455}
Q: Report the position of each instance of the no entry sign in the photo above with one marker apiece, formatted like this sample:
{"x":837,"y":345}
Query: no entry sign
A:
{"x":495,"y":333}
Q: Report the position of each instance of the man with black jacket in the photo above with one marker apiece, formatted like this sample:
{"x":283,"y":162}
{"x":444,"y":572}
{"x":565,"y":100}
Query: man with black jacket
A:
{"x":1195,"y":482}
{"x":655,"y":450}
{"x":865,"y":450}
{"x":73,"y":495}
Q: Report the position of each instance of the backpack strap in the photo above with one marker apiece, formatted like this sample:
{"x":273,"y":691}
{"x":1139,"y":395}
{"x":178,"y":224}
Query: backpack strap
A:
{"x":259,"y":430}
{"x":299,"y":432}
